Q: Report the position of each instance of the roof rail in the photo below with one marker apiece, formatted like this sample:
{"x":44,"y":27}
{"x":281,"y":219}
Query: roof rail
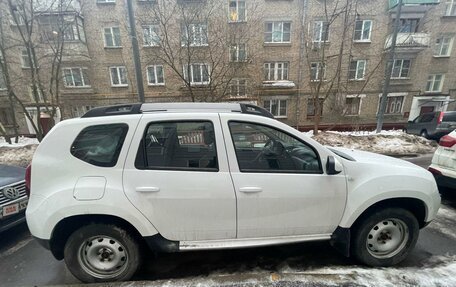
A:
{"x":137,"y":108}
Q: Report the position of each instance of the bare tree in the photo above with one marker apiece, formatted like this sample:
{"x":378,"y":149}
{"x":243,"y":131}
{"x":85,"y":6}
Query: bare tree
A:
{"x":211,"y":51}
{"x":40,"y":30}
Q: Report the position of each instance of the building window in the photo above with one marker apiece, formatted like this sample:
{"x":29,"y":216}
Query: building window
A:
{"x":393,"y":105}
{"x":39,"y":95}
{"x":278,"y":108}
{"x":363,"y":30}
{"x":238,"y":88}
{"x":194,"y":35}
{"x":79,"y":111}
{"x":357,"y":70}
{"x":151,"y":37}
{"x":6,"y":116}
{"x":311,"y":109}
{"x":321,"y":31}
{"x":197,"y":74}
{"x":352,"y":105}
{"x":443,"y":46}
{"x":25,"y":60}
{"x":277,"y":32}
{"x":435,"y":83}
{"x":409,"y":25}
{"x":19,"y":16}
{"x":317,"y":71}
{"x":401,"y":69}
{"x":450,"y":8}
{"x":118,"y":76}
{"x":238,"y":53}
{"x":276,"y":71}
{"x":237,"y":10}
{"x":75,"y":77}
{"x":155,"y":75}
{"x":112,"y":37}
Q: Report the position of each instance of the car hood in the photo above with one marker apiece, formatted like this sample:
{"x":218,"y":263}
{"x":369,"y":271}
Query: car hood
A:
{"x":11,"y":174}
{"x":374,"y":158}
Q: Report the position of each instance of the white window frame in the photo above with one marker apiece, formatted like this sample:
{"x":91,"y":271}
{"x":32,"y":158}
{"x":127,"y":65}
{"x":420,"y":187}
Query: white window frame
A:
{"x":432,"y":81}
{"x":79,"y":111}
{"x":439,"y":45}
{"x":197,"y":29}
{"x":151,"y":30}
{"x":235,"y":50}
{"x":360,"y":97}
{"x":318,"y":66}
{"x":85,"y":82}
{"x":361,"y":39}
{"x":119,"y":78}
{"x":318,"y":38}
{"x":450,"y":8}
{"x":40,"y":95}
{"x":24,"y":63}
{"x":192,"y":83}
{"x":149,"y":83}
{"x":233,"y":16}
{"x":285,"y":68}
{"x":106,"y":1}
{"x":2,"y":79}
{"x":277,"y":102}
{"x":19,"y":17}
{"x":236,"y":84}
{"x":401,"y":69}
{"x":357,"y":76}
{"x":281,"y":28}
{"x":396,"y":96}
{"x":115,"y":45}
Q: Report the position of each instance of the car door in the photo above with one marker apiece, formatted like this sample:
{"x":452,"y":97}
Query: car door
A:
{"x":280,"y":184}
{"x":177,"y":175}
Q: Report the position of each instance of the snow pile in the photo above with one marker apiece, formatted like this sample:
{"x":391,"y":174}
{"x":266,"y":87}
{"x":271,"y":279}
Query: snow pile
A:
{"x":19,"y":154}
{"x":23,"y":141}
{"x":394,"y":142}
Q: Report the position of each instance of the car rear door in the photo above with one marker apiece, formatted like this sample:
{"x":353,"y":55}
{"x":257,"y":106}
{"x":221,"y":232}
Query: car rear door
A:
{"x":283,"y":192}
{"x":177,"y":175}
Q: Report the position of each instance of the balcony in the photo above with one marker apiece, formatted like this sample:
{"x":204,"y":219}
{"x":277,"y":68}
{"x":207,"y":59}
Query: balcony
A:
{"x":415,"y":41}
{"x":393,"y":3}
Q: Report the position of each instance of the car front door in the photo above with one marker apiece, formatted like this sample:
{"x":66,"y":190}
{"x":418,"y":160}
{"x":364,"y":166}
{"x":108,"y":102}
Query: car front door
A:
{"x":280,"y":184}
{"x":177,"y":175}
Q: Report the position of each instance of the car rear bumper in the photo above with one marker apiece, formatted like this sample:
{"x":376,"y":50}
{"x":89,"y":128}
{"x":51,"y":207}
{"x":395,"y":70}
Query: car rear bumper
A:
{"x":11,"y":221}
{"x":443,"y":177}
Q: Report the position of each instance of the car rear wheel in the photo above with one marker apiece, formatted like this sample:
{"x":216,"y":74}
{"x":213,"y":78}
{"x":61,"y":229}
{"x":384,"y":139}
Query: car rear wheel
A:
{"x":386,"y":237}
{"x":100,"y":253}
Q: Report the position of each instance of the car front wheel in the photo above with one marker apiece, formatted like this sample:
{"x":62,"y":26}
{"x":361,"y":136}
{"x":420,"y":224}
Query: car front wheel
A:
{"x":101,"y":253}
{"x":386,"y":237}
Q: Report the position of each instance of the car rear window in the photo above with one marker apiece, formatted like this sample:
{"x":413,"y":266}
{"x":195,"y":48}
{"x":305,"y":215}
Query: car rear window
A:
{"x":449,"y":117}
{"x":100,"y":145}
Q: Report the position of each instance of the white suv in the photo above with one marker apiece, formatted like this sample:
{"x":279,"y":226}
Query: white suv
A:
{"x":177,"y":177}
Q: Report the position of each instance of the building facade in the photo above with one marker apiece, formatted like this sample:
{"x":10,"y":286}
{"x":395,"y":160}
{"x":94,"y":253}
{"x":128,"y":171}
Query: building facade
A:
{"x":300,"y":59}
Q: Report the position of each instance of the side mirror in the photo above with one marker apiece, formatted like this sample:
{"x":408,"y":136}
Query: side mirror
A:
{"x":333,"y":166}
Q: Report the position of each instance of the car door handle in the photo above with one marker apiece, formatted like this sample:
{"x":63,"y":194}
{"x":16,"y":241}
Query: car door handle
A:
{"x":250,"y":189}
{"x":147,"y":189}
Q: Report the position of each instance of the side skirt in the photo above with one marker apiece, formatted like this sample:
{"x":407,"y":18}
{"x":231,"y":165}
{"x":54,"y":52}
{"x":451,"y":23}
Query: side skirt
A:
{"x":248,"y":242}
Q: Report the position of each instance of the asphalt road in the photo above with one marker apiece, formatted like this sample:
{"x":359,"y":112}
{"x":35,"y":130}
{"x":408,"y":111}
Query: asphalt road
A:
{"x":24,"y":262}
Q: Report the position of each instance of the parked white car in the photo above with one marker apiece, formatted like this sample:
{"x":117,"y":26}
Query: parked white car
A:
{"x":177,"y":177}
{"x":443,"y":165}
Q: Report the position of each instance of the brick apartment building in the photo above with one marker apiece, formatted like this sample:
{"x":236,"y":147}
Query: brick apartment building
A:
{"x":280,"y":54}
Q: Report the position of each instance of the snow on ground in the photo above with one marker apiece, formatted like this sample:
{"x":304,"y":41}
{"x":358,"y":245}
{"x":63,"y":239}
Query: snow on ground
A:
{"x":392,"y":142}
{"x":19,"y":154}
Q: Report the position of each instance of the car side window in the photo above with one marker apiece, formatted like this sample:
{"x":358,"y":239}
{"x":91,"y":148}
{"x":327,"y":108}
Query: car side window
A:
{"x":261,"y":148}
{"x":100,"y":145}
{"x":427,"y":118}
{"x":185,"y":145}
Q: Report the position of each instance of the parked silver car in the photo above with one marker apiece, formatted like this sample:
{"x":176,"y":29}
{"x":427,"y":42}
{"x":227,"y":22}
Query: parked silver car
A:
{"x":13,"y":198}
{"x":432,"y":125}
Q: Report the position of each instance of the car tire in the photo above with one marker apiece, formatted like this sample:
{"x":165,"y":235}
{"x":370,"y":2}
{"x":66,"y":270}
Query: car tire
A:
{"x":385,"y":237}
{"x":102,"y":253}
{"x":424,"y":134}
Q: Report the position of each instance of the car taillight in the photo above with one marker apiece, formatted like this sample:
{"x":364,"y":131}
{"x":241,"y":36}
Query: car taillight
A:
{"x":440,"y":118}
{"x":447,"y":141}
{"x":434,"y":171}
{"x":28,"y":179}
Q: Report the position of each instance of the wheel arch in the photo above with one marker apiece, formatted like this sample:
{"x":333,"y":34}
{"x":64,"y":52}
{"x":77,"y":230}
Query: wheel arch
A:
{"x":65,"y":227}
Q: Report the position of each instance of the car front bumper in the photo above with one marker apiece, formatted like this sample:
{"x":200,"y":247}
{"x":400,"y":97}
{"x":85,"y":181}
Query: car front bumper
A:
{"x":11,"y":221}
